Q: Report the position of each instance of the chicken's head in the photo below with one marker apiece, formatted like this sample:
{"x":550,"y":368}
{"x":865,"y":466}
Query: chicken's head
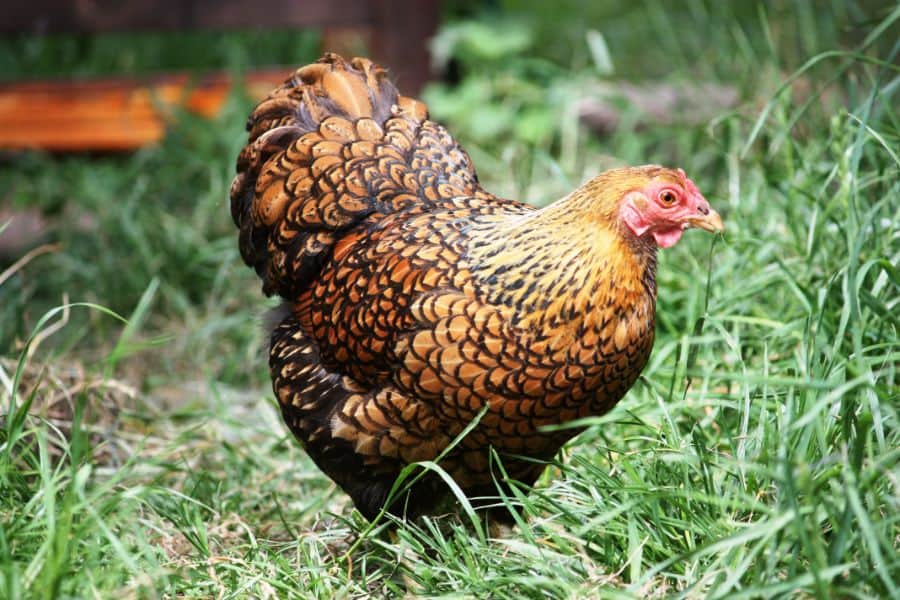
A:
{"x":663,"y":203}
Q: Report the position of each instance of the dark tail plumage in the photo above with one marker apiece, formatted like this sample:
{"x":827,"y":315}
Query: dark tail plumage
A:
{"x":326,"y":150}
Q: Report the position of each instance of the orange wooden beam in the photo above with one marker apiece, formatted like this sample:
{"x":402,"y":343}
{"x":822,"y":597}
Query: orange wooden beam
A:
{"x":112,"y":114}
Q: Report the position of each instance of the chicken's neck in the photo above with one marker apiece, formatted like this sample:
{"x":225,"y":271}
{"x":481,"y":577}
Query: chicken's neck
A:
{"x":563,"y":271}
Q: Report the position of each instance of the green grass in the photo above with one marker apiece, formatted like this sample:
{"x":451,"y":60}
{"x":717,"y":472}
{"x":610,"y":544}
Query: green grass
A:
{"x":759,"y":455}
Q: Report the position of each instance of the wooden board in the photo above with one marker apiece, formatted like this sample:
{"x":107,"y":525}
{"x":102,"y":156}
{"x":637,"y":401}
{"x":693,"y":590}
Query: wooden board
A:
{"x":112,"y":114}
{"x":396,"y":32}
{"x":91,"y":16}
{"x":124,"y":114}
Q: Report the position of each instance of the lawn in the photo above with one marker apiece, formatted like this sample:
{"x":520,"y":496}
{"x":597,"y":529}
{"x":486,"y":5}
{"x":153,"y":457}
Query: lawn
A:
{"x":141,"y":450}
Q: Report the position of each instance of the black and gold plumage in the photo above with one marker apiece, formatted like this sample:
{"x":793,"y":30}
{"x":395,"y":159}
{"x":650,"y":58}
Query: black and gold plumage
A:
{"x":415,"y":298}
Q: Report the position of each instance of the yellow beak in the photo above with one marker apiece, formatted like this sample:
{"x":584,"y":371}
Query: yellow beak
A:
{"x":709,"y":222}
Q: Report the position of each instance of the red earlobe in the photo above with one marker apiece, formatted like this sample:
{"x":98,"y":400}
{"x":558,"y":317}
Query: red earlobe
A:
{"x":631,"y":216}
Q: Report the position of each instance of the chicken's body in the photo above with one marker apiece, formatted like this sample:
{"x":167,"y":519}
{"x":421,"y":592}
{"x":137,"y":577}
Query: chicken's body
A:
{"x":416,"y":298}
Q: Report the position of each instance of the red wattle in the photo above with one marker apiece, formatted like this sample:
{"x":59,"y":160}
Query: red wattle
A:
{"x":668,"y":237}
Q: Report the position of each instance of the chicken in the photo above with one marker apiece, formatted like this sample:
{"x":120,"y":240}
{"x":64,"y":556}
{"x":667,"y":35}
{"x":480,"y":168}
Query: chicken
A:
{"x":416,"y":302}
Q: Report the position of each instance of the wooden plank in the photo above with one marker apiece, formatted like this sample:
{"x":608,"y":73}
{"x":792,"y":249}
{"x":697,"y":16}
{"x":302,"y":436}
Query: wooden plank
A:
{"x":402,"y":30}
{"x":398,"y":29}
{"x":88,"y":16}
{"x":123,"y":114}
{"x":61,"y":16}
{"x":241,"y":14}
{"x":111,"y":114}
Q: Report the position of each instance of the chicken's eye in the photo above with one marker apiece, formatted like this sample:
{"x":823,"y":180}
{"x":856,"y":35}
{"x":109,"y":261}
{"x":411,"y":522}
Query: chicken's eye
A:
{"x":667,"y":197}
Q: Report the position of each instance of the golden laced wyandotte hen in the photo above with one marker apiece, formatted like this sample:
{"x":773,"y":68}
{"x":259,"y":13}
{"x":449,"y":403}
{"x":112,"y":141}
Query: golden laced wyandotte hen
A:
{"x":414,"y":298}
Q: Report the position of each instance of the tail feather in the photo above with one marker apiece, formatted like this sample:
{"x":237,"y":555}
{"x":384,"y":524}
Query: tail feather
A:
{"x":334,"y":147}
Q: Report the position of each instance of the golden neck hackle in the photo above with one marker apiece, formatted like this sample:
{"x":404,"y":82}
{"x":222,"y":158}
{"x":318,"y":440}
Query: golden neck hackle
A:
{"x":564,"y":267}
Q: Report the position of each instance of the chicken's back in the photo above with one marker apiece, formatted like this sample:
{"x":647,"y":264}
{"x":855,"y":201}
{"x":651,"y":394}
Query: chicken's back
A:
{"x":332,"y":150}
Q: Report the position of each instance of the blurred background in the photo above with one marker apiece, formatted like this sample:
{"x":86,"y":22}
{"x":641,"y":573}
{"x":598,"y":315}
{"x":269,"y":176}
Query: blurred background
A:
{"x":121,"y":284}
